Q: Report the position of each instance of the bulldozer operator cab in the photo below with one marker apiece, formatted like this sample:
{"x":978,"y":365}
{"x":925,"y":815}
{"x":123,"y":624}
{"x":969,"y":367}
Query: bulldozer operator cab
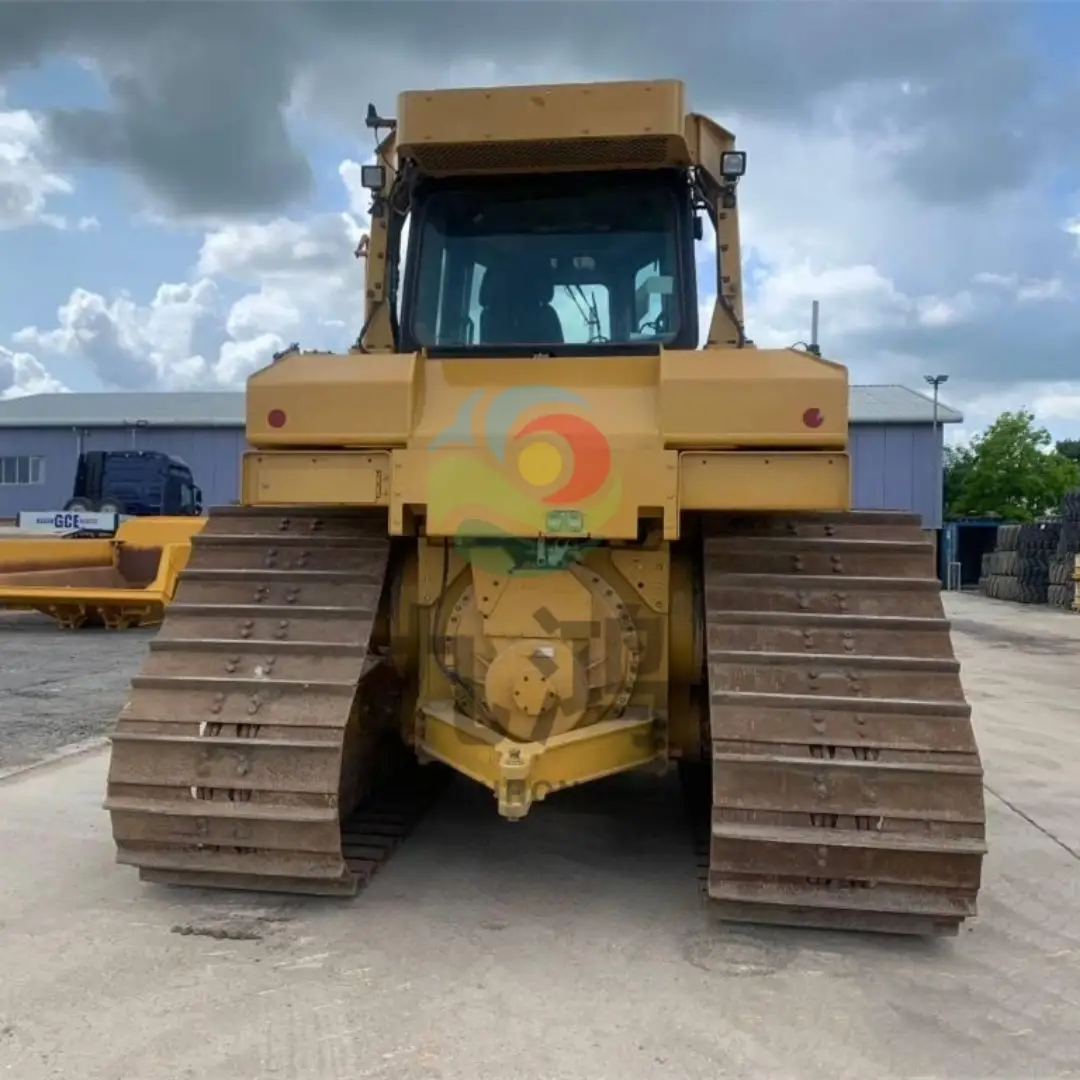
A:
{"x":577,"y":263}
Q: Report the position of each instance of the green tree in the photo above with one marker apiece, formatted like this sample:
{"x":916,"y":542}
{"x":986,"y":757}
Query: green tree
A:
{"x":958,"y":461}
{"x":1013,"y":470}
{"x":1069,"y":448}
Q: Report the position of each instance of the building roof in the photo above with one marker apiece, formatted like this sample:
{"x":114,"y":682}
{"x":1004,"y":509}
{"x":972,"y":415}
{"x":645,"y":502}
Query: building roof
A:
{"x":892,"y":404}
{"x":225,"y":408}
{"x":221,"y":408}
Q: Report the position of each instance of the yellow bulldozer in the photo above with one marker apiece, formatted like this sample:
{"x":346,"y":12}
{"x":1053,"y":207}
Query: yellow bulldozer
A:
{"x":529,"y":530}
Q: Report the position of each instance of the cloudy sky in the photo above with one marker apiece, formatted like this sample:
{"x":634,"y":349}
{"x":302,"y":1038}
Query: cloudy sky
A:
{"x":179,"y":196}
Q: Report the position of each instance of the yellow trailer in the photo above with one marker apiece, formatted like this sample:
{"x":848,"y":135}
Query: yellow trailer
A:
{"x":120,"y":582}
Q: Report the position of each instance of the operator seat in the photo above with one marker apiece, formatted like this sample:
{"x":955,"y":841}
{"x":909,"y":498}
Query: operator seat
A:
{"x":516,"y":307}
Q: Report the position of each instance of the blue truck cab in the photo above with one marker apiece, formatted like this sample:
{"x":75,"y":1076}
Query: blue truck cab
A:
{"x":138,"y":483}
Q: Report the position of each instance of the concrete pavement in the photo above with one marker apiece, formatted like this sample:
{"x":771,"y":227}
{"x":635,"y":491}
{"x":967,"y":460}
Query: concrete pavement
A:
{"x":570,"y":945}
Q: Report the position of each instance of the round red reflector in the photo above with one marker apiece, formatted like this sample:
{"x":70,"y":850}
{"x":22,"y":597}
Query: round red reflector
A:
{"x":276,"y":417}
{"x":812,"y":418}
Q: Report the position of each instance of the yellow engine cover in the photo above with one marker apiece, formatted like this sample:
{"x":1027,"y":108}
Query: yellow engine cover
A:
{"x":559,"y":447}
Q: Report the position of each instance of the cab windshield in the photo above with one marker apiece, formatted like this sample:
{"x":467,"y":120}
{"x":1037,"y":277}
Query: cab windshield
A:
{"x":589,"y":260}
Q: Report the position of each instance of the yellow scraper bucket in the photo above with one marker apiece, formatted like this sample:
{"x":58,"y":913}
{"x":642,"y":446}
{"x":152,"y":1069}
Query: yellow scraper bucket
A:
{"x":118,"y":583}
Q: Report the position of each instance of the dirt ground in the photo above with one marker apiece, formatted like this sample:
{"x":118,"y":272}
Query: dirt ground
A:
{"x":60,"y":687}
{"x":570,"y":945}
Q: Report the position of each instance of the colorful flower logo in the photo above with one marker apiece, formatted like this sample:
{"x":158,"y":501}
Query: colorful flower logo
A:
{"x":521,"y":463}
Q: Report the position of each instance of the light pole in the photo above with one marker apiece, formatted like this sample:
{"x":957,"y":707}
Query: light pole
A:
{"x":935,"y":381}
{"x":939,"y":481}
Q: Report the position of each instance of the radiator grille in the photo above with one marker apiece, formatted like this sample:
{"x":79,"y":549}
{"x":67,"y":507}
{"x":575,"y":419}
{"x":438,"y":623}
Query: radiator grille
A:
{"x":569,"y":154}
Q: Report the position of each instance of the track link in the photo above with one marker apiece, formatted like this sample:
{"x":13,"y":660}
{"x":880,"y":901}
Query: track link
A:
{"x":847,"y":785}
{"x":261,"y":720}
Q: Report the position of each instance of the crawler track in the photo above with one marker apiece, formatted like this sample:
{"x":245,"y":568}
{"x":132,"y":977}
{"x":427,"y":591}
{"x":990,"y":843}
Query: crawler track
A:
{"x":847,"y":786}
{"x":262,"y":720}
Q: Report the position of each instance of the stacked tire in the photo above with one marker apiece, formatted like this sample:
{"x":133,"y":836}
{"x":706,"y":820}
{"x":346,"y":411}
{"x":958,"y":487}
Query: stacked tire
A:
{"x":1062,"y":588}
{"x":1036,"y":545}
{"x":1001,"y":568}
{"x":1018,"y":570}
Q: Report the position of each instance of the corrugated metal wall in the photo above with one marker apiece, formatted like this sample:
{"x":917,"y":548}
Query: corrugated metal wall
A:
{"x":893,"y":465}
{"x":58,"y":448}
{"x":212,"y":453}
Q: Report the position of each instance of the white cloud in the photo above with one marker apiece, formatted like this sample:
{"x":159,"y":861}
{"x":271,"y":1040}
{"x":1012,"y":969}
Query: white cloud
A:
{"x":905,"y":285}
{"x":238,"y":359}
{"x":855,"y":300}
{"x":812,"y":228}
{"x":1056,"y":406}
{"x":27,"y":184}
{"x":22,"y":374}
{"x":1004,"y":281}
{"x":134,"y":346}
{"x":304,"y":282}
{"x":309,"y":283}
{"x":283,"y":247}
{"x":1038,"y":291}
{"x":1056,"y":401}
{"x":1031,"y":290}
{"x":272,"y":310}
{"x":852,"y":297}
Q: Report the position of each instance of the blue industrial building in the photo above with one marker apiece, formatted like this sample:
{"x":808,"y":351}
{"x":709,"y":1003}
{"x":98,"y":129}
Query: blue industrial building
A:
{"x":896,"y":447}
